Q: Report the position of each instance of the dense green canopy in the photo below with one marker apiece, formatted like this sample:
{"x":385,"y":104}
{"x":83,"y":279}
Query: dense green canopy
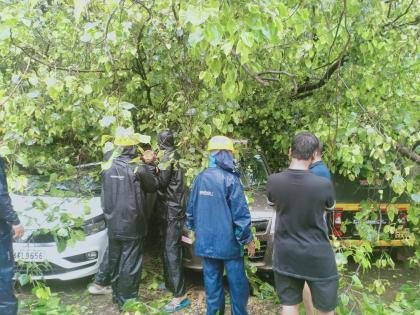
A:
{"x":346,"y":70}
{"x":74,"y":72}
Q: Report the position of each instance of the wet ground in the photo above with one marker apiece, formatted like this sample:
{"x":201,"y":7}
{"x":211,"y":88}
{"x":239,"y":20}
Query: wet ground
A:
{"x":75,"y":293}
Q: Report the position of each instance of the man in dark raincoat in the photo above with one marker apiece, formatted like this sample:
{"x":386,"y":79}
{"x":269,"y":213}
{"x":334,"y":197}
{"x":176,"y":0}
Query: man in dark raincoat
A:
{"x":171,"y":206}
{"x":10,"y":227}
{"x":218,"y":214}
{"x":123,"y":193}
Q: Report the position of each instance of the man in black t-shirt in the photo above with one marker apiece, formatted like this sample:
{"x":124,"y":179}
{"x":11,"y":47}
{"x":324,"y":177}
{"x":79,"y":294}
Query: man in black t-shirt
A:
{"x":302,"y":250}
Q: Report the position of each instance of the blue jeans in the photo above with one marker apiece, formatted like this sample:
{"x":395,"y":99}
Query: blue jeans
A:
{"x":213,"y":284}
{"x":8,"y":301}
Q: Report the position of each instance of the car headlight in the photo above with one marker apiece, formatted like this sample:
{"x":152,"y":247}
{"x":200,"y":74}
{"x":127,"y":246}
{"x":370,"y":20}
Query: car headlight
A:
{"x":273,"y":224}
{"x":94,"y":225}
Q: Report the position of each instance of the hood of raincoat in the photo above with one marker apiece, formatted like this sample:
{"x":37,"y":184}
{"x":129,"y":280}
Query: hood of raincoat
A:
{"x":224,"y":160}
{"x":166,"y":140}
{"x":130,"y":152}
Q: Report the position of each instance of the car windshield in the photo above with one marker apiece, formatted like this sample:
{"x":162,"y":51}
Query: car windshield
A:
{"x":82,"y":185}
{"x":253,"y":170}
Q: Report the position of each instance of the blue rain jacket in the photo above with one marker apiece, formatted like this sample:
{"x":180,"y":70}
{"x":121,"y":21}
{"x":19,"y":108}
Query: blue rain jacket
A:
{"x":320,"y":169}
{"x":218,"y":212}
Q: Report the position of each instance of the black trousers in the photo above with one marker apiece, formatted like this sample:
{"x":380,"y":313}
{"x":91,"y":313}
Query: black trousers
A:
{"x":172,"y":255}
{"x":103,"y":276}
{"x":8,"y":302}
{"x":125,"y":262}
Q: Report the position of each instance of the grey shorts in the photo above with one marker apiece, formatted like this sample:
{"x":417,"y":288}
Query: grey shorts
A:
{"x":324,"y":292}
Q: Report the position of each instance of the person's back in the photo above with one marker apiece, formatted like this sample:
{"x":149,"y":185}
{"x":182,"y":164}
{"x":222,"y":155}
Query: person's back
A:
{"x":301,"y":231}
{"x":218,"y":214}
{"x":213,"y":219}
{"x":122,"y":200}
{"x":302,"y":251}
{"x":123,"y":186}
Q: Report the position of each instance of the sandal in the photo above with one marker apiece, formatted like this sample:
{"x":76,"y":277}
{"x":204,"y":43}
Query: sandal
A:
{"x":171,"y":308}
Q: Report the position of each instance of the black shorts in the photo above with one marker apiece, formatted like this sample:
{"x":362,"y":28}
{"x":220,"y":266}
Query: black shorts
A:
{"x":324,"y":292}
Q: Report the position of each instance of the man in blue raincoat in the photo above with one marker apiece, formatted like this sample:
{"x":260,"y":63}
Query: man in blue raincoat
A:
{"x":219,"y":216}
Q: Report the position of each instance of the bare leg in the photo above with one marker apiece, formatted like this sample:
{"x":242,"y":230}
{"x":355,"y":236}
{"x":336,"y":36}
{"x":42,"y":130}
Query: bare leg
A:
{"x":177,"y":300}
{"x":325,"y":313}
{"x":290,"y":309}
{"x":307,"y":300}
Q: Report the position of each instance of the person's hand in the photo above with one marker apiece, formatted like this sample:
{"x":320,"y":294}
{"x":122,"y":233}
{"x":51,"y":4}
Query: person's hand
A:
{"x":251,"y":249}
{"x":149,"y":157}
{"x":18,"y":231}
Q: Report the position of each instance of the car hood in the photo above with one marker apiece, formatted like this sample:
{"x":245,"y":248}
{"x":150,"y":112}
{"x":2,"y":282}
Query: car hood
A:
{"x":260,"y":207}
{"x":34,"y":218}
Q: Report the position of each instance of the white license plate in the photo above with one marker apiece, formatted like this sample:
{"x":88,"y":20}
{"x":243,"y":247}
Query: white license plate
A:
{"x":31,"y":255}
{"x":371,"y":222}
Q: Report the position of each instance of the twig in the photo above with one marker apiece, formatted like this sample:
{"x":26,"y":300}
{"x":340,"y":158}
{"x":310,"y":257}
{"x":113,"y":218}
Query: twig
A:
{"x":279,"y":72}
{"x":336,"y":33}
{"x":307,"y":87}
{"x":401,"y":15}
{"x":248,"y":70}
{"x":69,"y":69}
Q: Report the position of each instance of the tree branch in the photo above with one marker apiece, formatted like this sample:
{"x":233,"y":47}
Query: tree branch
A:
{"x":307,"y":87}
{"x":401,"y":15}
{"x":279,"y":72}
{"x":408,"y":153}
{"x":248,"y":70}
{"x":62,"y":68}
{"x":336,"y":32}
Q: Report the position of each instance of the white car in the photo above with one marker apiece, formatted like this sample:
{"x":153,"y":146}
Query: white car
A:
{"x":50,"y":214}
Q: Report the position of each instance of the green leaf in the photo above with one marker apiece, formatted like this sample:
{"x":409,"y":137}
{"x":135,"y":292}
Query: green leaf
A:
{"x":24,"y":279}
{"x":195,"y":37}
{"x":247,"y":38}
{"x":79,"y":7}
{"x":227,"y":48}
{"x":283,"y":10}
{"x":207,"y":131}
{"x":218,"y":123}
{"x":194,"y":15}
{"x":299,"y":28}
{"x":398,"y":184}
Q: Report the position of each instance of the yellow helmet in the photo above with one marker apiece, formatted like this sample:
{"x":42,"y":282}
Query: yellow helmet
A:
{"x":220,"y":143}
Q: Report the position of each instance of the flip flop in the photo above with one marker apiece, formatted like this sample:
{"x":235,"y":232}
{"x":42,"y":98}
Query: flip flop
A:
{"x":170,"y":308}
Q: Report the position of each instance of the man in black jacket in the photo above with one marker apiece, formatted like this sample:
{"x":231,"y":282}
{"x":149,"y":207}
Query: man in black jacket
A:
{"x":9,"y":226}
{"x":171,"y":205}
{"x":123,"y":188}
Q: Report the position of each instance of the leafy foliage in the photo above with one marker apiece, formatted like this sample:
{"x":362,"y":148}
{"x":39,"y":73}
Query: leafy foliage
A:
{"x":73,"y":71}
